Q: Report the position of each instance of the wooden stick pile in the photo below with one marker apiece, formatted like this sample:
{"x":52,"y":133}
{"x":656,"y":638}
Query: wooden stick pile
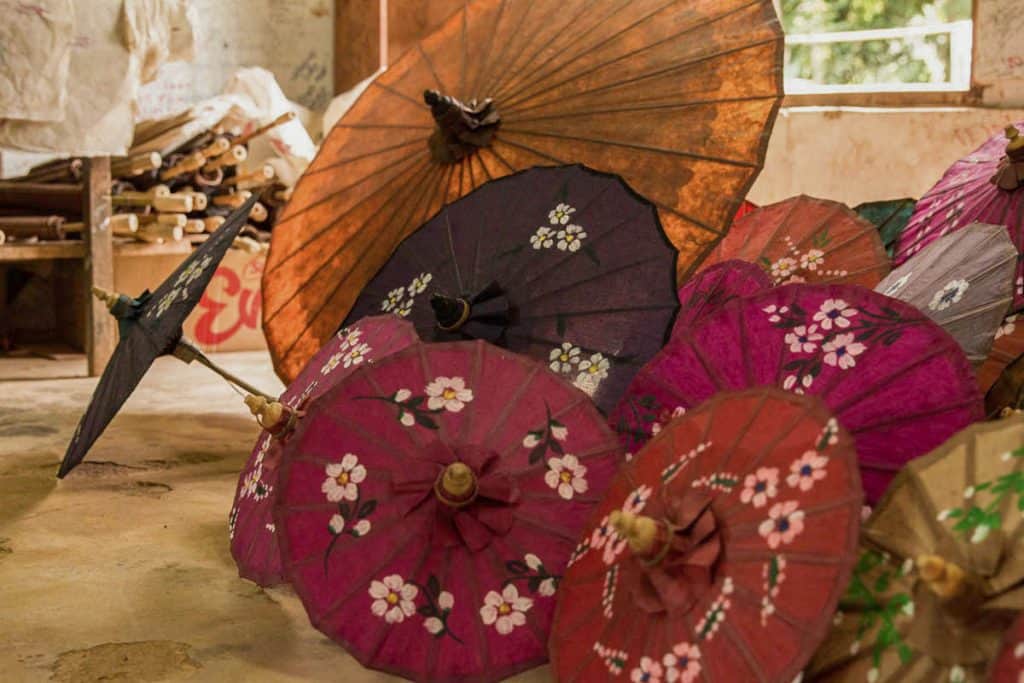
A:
{"x":181,"y":195}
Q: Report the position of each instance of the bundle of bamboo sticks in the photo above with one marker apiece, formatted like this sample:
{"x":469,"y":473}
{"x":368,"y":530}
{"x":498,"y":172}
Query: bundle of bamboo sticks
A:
{"x":181,"y":195}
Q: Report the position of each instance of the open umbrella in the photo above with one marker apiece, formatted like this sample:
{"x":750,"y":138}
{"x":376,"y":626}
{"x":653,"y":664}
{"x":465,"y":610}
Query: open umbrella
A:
{"x":894,"y":379}
{"x":940,"y":574}
{"x":890,"y":217}
{"x":719,"y":552}
{"x":804,"y":239}
{"x":1009,"y":665}
{"x":1007,"y":347}
{"x":251,"y":525}
{"x":710,"y":289}
{"x":565,"y":264}
{"x":677,"y":97}
{"x":150,"y":326}
{"x":984,"y":187}
{"x":429,"y":502}
{"x":1008,"y":391}
{"x":962,"y":281}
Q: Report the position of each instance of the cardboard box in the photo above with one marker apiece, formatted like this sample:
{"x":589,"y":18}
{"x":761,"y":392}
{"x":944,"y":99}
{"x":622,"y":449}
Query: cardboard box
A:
{"x":228,"y":315}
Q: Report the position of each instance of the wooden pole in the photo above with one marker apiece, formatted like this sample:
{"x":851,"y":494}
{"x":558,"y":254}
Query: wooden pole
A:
{"x":101,"y":336}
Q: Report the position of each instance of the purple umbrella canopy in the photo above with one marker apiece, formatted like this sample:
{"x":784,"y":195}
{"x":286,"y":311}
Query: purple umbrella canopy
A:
{"x":566,"y":265}
{"x":895,"y":380}
{"x":964,"y":282}
{"x":713,"y":287}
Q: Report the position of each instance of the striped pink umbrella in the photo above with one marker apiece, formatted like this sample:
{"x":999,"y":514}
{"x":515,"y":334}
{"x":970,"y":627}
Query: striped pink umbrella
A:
{"x":986,"y":186}
{"x":429,"y":503}
{"x":713,"y":287}
{"x":895,"y":380}
{"x":251,"y":526}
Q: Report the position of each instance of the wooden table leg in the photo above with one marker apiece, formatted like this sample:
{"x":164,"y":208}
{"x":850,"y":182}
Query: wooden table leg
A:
{"x":101,"y":331}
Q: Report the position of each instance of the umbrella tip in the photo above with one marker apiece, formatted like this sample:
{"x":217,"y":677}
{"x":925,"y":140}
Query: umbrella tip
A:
{"x":431,"y":97}
{"x":268,"y":413}
{"x":639,"y":531}
{"x":456,"y":486}
{"x":105,"y":295}
{"x":945,"y":579}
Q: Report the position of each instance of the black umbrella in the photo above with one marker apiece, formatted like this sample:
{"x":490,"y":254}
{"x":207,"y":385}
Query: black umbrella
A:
{"x":150,"y":326}
{"x":564,"y":264}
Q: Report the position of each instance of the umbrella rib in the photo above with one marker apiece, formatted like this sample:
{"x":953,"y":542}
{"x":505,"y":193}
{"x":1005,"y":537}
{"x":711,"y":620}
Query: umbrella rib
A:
{"x":481,"y":630}
{"x":465,"y":49}
{"x":451,"y":252}
{"x":510,"y":405}
{"x":487,"y":73}
{"x":371,"y":655}
{"x":430,"y":65}
{"x":906,"y":418}
{"x":476,"y":373}
{"x":497,"y":155}
{"x":401,"y":126}
{"x":541,"y":423}
{"x":597,"y":277}
{"x":603,"y":311}
{"x":393,"y":91}
{"x":547,"y":527}
{"x":634,"y":106}
{"x":729,"y":631}
{"x":525,"y":93}
{"x":486,"y":58}
{"x":358,"y":157}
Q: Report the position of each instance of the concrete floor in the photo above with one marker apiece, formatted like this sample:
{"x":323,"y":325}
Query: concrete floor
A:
{"x":122,"y":571}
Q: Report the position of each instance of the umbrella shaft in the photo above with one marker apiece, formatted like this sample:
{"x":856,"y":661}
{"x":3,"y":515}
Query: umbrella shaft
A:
{"x":188,"y":352}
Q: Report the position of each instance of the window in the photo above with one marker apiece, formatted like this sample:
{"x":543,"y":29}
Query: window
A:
{"x":842,"y":47}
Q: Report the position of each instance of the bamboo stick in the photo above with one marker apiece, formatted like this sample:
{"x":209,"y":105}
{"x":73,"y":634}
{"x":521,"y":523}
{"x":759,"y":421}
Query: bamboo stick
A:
{"x":135,"y":165}
{"x":233,"y":200}
{"x":282,"y":119}
{"x":188,"y":164}
{"x":217,"y":146}
{"x":3,"y":237}
{"x":206,"y":178}
{"x":258,"y":213}
{"x":43,"y":227}
{"x":282,"y":195}
{"x":194,"y":226}
{"x":62,"y":198}
{"x":124,"y":223}
{"x":162,"y":232}
{"x":197,"y":239}
{"x":232,"y":157}
{"x":260,"y":176}
{"x":211,"y":223}
{"x":172,"y":219}
{"x":199,"y":201}
{"x":65,"y":170}
{"x":173,"y":203}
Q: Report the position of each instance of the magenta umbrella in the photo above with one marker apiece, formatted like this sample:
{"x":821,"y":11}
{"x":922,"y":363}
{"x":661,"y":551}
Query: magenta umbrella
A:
{"x":250,"y":525}
{"x":429,"y":503}
{"x":713,"y":287}
{"x":987,"y":186}
{"x":895,"y":380}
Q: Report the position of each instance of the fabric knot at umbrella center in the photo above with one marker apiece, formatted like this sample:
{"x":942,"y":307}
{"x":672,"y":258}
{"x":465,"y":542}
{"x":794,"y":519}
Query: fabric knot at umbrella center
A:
{"x":675,"y":552}
{"x":485,"y":315}
{"x":459,"y":492}
{"x":462,"y":127}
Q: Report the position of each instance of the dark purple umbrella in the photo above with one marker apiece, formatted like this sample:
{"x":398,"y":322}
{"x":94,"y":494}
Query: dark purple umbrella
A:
{"x":150,"y":326}
{"x":566,"y":265}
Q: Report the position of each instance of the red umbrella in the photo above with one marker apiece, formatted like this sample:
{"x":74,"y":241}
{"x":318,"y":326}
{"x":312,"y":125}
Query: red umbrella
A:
{"x":987,"y":186}
{"x":428,"y":506}
{"x":715,"y":286}
{"x":895,"y":380}
{"x":1009,"y":666}
{"x":250,"y":525}
{"x":719,"y":553}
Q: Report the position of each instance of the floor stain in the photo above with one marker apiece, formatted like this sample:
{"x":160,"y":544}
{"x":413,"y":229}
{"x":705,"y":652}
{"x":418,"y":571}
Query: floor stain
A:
{"x":143,"y":661}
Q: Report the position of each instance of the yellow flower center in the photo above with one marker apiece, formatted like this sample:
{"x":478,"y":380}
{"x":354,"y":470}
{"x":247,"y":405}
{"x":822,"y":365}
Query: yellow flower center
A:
{"x":592,"y":369}
{"x":564,"y":357}
{"x":448,"y":394}
{"x":392,"y":598}
{"x":504,"y":608}
{"x":342,"y":478}
{"x":569,"y":238}
{"x":565,"y":476}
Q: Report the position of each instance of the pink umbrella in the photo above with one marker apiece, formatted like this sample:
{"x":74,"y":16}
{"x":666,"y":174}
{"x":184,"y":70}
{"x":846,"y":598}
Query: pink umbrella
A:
{"x":895,"y":380}
{"x":713,"y":287}
{"x":429,"y":504}
{"x":251,"y":525}
{"x":985,"y":187}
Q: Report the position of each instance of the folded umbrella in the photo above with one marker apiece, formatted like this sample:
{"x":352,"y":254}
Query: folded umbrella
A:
{"x":150,"y":326}
{"x":962,"y":281}
{"x":565,"y":264}
{"x":429,"y":502}
{"x":710,"y":289}
{"x":804,"y":239}
{"x":890,"y":217}
{"x":894,"y":379}
{"x":251,"y":527}
{"x":939,"y":578}
{"x":677,"y":97}
{"x":719,"y":553}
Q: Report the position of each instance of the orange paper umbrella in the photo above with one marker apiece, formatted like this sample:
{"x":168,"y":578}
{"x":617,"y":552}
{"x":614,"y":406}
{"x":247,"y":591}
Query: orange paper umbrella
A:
{"x":676,"y":96}
{"x":804,"y":239}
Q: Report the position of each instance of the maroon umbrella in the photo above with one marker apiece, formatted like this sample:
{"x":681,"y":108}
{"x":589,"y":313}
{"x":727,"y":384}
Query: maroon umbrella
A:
{"x":429,"y":503}
{"x":715,"y":286}
{"x":251,"y":525}
{"x":895,"y":380}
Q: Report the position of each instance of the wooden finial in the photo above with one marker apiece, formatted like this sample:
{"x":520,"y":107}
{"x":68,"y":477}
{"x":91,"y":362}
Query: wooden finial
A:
{"x":945,"y":579}
{"x":639,"y":531}
{"x":268,"y":413}
{"x":456,"y":486}
{"x":106,"y":296}
{"x":1015,"y":139}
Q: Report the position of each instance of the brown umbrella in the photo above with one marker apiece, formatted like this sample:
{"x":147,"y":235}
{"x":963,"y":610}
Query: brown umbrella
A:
{"x":940,"y":574}
{"x":677,"y":97}
{"x":1008,"y":346}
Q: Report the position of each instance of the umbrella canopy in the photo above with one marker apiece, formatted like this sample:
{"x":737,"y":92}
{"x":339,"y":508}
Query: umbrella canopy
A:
{"x":676,"y":97}
{"x":962,"y":281}
{"x":1009,"y":665}
{"x":980,"y":188}
{"x":1007,"y":347}
{"x":939,"y":578}
{"x":429,"y":503}
{"x":251,"y":527}
{"x":150,"y":326}
{"x":1008,"y":390}
{"x":579,"y":274}
{"x":720,"y":552}
{"x":890,"y":217}
{"x":894,"y":379}
{"x":803,"y":239}
{"x":708,"y":291}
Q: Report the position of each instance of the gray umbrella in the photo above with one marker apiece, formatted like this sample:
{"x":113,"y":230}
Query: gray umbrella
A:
{"x":963,"y":281}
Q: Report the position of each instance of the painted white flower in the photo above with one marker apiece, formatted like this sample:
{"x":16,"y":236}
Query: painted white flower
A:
{"x":394,"y":297}
{"x":544,"y":238}
{"x":944,"y":515}
{"x":336,"y":525}
{"x":636,"y":500}
{"x":842,"y":351}
{"x":785,"y":522}
{"x":530,"y":440}
{"x":355,"y":355}
{"x":402,"y":395}
{"x":812,"y":259}
{"x":566,"y":475}
{"x":506,"y":610}
{"x":349,"y":336}
{"x":419,"y":283}
{"x":981,"y":532}
{"x":331,"y":363}
{"x":405,"y":308}
{"x":596,"y":366}
{"x":393,"y":599}
{"x":948,"y":295}
{"x":775,"y":312}
{"x":682,"y":664}
{"x":342,"y":479}
{"x":547,"y":586}
{"x":894,"y":288}
{"x":649,"y":671}
{"x":571,"y":238}
{"x":957,"y":674}
{"x":807,"y":469}
{"x":449,"y":393}
{"x":783,"y":268}
{"x":564,"y":358}
{"x":560,"y":214}
{"x":834,"y":313}
{"x":1008,"y":326}
{"x":760,"y":486}
{"x":803,"y":339}
{"x":560,"y":432}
